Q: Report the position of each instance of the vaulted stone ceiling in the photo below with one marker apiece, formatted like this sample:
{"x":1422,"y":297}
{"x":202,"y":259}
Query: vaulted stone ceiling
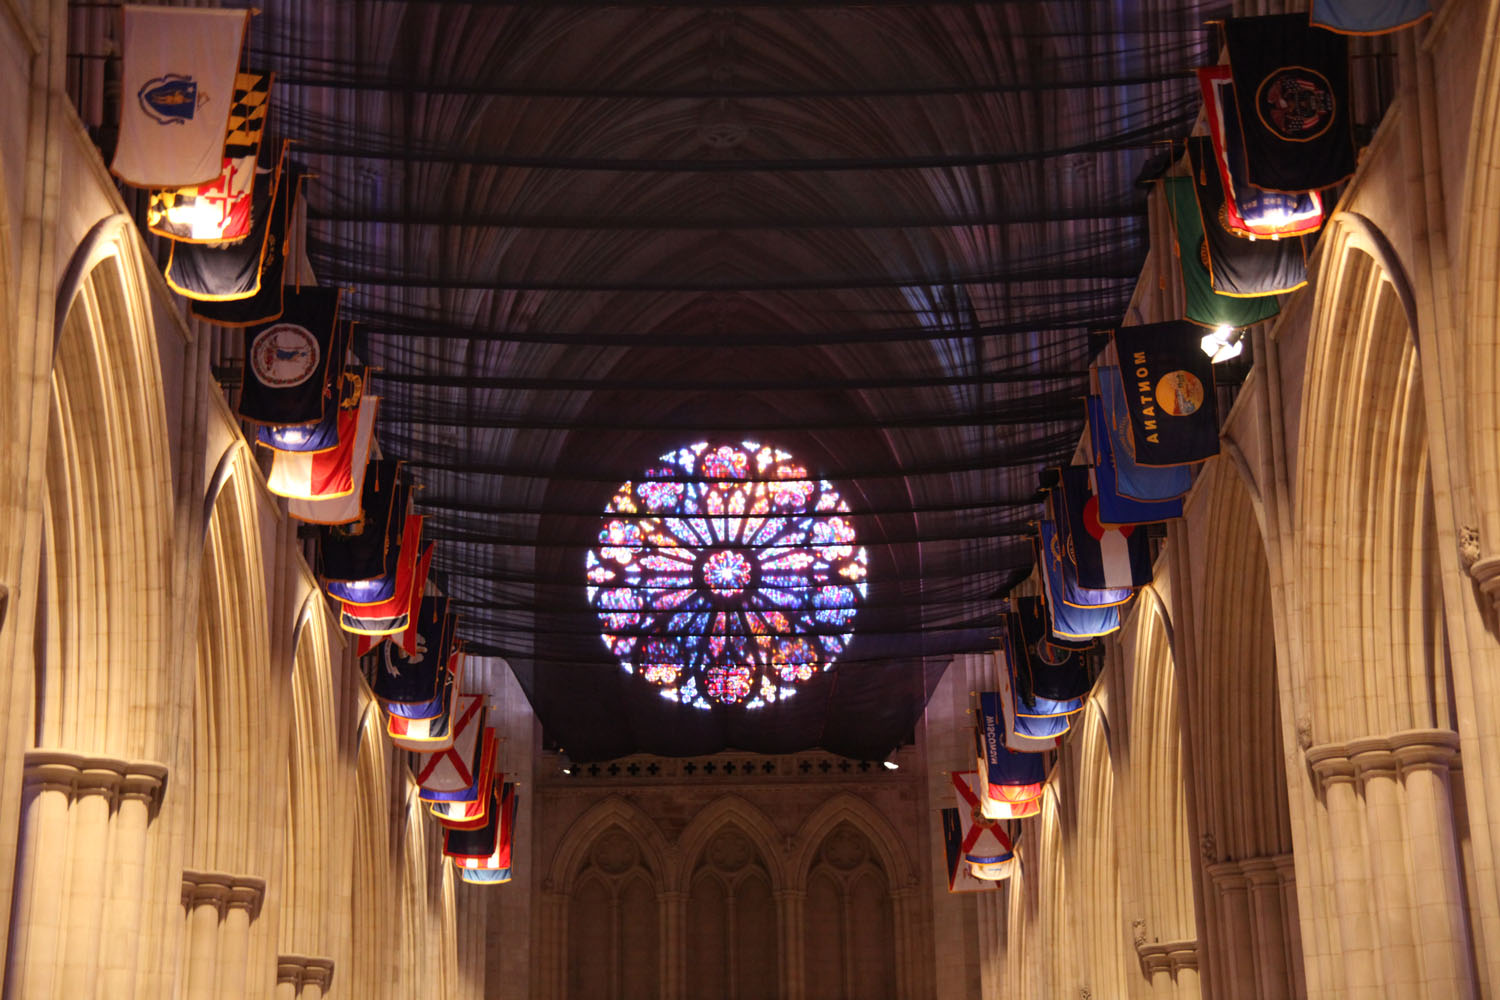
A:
{"x":577,"y":237}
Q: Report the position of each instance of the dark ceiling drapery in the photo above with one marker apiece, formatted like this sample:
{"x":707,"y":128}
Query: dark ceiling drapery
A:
{"x":578,"y":236}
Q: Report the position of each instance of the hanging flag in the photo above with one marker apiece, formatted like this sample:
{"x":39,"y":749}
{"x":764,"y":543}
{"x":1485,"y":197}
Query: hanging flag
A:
{"x":345,"y":509}
{"x":497,"y":867}
{"x":1202,"y":303}
{"x":479,"y":843}
{"x":435,"y":733}
{"x":984,"y":841}
{"x":392,"y":615}
{"x":1114,"y":507}
{"x":1291,"y":87}
{"x":1069,"y":621}
{"x":313,"y":475}
{"x":225,"y":280}
{"x":1004,"y":698}
{"x":1043,"y":664}
{"x":1367,"y":17}
{"x":1132,"y":480}
{"x":220,"y":211}
{"x":177,"y":87}
{"x":473,"y":809}
{"x":287,"y":362}
{"x":440,"y":775}
{"x":410,"y":637}
{"x":1167,"y":383}
{"x":324,"y":435}
{"x":1237,"y":266}
{"x":1006,"y":779}
{"x":960,"y":877}
{"x":1103,"y":556}
{"x":406,"y":684}
{"x":360,"y":549}
{"x":1249,"y":211}
{"x":1073,"y":592}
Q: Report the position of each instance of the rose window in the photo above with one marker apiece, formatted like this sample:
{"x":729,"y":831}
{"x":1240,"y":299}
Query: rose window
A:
{"x":726,"y":575}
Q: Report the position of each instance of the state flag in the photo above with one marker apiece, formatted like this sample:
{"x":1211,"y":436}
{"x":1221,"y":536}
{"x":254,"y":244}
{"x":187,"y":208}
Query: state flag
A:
{"x":1202,"y":303}
{"x":1134,"y":481}
{"x":1368,"y":17}
{"x":405,"y":684}
{"x":1291,"y":88}
{"x":220,"y":211}
{"x":316,"y":475}
{"x":1006,"y":779}
{"x":984,"y":841}
{"x":1073,"y":592}
{"x":1045,"y":665}
{"x":470,"y":812}
{"x":362,"y":549}
{"x":1249,"y":210}
{"x":477,"y":844}
{"x":1115,"y":508}
{"x":1167,"y":383}
{"x":435,"y":733}
{"x":393,"y":614}
{"x":453,"y":773}
{"x":1238,"y":266}
{"x":497,"y":867}
{"x":1068,"y":621}
{"x":177,"y":78}
{"x":287,"y":362}
{"x":410,"y":637}
{"x":1103,"y":556}
{"x":345,"y":509}
{"x":961,"y":877}
{"x":225,"y":280}
{"x":323,"y":435}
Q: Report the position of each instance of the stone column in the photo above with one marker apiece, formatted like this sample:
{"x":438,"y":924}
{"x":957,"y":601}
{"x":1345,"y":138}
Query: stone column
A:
{"x":1286,"y":869}
{"x":791,"y":910}
{"x":301,"y":977}
{"x":1351,"y":889}
{"x":1235,"y":934}
{"x":672,"y":906}
{"x":1385,"y":832}
{"x":1444,"y":947}
{"x":1268,"y":934}
{"x":1182,"y":961}
{"x":1157,"y":969}
{"x":203,"y":896}
{"x":317,"y":979}
{"x":241,"y":907}
{"x":904,"y":936}
{"x":37,"y":910}
{"x":88,"y":876}
{"x":139,"y":796}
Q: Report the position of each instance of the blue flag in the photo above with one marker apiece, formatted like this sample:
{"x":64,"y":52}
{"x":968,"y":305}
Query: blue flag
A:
{"x":1114,"y":506}
{"x":1367,"y":17}
{"x":1068,"y":621}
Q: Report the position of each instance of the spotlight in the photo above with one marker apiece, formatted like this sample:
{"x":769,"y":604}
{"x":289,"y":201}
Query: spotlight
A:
{"x":890,"y":765}
{"x":1224,"y":343}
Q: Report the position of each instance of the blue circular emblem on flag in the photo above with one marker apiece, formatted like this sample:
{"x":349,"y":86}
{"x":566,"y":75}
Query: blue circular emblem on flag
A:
{"x":170,"y":99}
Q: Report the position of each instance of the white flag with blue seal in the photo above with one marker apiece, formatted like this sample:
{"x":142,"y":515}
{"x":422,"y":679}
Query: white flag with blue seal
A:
{"x":177,"y":90}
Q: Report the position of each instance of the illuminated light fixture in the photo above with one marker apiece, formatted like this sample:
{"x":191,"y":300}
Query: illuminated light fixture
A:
{"x":890,"y":765}
{"x":1224,"y":343}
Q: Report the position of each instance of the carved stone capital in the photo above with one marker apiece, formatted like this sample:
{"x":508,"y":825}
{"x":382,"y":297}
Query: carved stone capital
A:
{"x":1435,"y":749}
{"x":1373,"y":758}
{"x":1331,"y":764}
{"x":1182,"y":955}
{"x":1384,"y":756}
{"x":303,"y":970}
{"x":82,"y":774}
{"x":223,"y":891}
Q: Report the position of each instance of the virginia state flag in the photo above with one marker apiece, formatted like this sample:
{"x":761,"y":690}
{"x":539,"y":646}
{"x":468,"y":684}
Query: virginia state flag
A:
{"x":1167,"y":383}
{"x":288,"y":363}
{"x":1104,"y":556}
{"x":176,"y":91}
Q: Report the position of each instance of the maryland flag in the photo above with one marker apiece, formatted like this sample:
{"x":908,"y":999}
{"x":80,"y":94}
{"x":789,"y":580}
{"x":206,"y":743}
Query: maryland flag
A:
{"x":496,"y":868}
{"x":177,"y":85}
{"x":1168,"y":387}
{"x":1115,"y":508}
{"x":220,"y":211}
{"x":1249,"y":211}
{"x":288,"y":362}
{"x":1367,"y":17}
{"x":1291,"y":87}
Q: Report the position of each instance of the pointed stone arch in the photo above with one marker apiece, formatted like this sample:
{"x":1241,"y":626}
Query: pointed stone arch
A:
{"x":725,"y":812}
{"x":569,"y":857}
{"x":846,"y":808}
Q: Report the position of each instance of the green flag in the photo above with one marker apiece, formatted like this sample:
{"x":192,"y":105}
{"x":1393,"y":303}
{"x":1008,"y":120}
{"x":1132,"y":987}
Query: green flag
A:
{"x":1204,"y":305}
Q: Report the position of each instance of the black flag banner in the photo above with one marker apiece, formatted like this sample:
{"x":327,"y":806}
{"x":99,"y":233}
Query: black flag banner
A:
{"x":1168,"y":386}
{"x":266,"y":301}
{"x":1239,"y":267}
{"x":222,"y":272}
{"x":362,"y":549}
{"x":1291,"y":86}
{"x":413,"y":680}
{"x":1052,"y":668}
{"x":287,"y":361}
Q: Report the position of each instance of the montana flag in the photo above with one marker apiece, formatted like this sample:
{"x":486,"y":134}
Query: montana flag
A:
{"x":1368,"y":17}
{"x":220,"y":211}
{"x":404,"y":683}
{"x":176,"y":91}
{"x":1116,"y":508}
{"x":231,"y":272}
{"x":1291,"y":86}
{"x":1167,"y":383}
{"x":1249,"y":210}
{"x":232,"y":267}
{"x":287,"y":363}
{"x":1134,"y":481}
{"x":984,"y":841}
{"x":497,"y":867}
{"x":360,"y":550}
{"x":1238,"y":266}
{"x":1068,"y":621}
{"x":960,"y":877}
{"x":454,"y":772}
{"x":1203,"y":304}
{"x":1103,"y":556}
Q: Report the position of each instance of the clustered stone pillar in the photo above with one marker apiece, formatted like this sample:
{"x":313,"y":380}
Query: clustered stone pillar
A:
{"x":792,"y":905}
{"x":1400,"y":901}
{"x":300,"y":977}
{"x":87,"y":817}
{"x":220,"y":909}
{"x":1255,"y":934}
{"x":1171,"y":967}
{"x":673,"y":909}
